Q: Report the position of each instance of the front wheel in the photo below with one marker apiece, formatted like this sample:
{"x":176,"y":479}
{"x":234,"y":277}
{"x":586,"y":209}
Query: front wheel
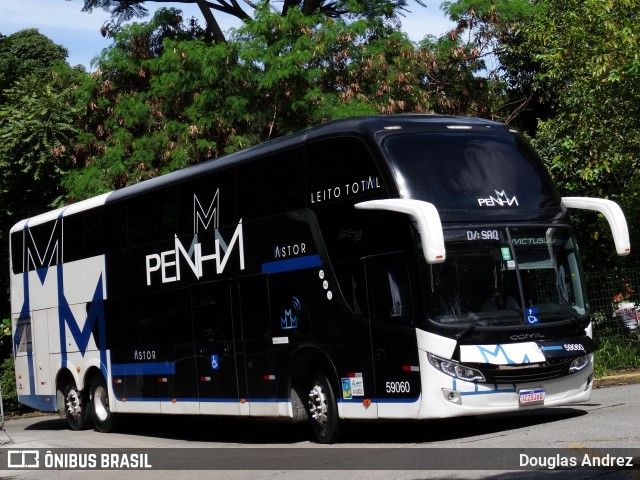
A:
{"x":103,"y":418}
{"x":323,"y":410}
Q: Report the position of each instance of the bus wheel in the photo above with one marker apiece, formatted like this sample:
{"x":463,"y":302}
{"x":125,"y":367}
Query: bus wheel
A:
{"x":76,"y":410}
{"x":103,"y":418}
{"x":323,"y":410}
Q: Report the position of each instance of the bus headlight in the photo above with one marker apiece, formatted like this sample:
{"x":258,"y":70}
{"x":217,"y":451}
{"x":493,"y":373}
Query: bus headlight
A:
{"x":456,"y":370}
{"x":580,"y":362}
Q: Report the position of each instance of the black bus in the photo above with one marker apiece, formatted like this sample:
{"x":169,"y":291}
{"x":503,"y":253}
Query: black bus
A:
{"x":385,"y":267}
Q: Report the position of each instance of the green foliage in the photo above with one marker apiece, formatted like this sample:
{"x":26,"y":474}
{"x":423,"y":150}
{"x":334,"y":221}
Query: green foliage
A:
{"x":616,"y":354}
{"x":26,"y":53}
{"x":590,"y":71}
{"x":5,"y":329}
{"x":8,"y":384}
{"x":37,"y":128}
{"x":149,"y":110}
{"x":492,"y":29}
{"x":571,"y":74}
{"x":372,"y":10}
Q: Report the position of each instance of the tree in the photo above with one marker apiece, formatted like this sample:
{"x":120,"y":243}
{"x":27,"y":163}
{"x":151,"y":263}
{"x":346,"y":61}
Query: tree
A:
{"x":149,"y":110}
{"x":24,"y":53}
{"x":129,"y":133}
{"x":124,"y":10}
{"x":493,"y":33}
{"x":37,"y":129}
{"x":587,"y":51}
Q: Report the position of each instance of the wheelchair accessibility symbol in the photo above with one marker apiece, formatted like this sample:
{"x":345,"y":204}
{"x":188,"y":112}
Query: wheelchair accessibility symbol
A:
{"x":532,"y":316}
{"x":214,"y":362}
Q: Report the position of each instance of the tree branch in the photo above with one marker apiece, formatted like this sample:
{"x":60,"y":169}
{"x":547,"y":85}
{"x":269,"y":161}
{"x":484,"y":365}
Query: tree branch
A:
{"x":213,"y":29}
{"x":519,"y":109}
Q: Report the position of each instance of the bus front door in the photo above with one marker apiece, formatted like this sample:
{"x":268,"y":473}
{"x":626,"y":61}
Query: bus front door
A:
{"x":395,"y":352}
{"x":215,"y":349}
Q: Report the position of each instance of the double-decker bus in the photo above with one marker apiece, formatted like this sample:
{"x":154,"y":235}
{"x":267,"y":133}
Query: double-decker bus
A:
{"x":387,"y":267}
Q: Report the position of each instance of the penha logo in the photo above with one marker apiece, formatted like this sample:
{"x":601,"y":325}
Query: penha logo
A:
{"x":169,"y":264}
{"x":500,"y":200}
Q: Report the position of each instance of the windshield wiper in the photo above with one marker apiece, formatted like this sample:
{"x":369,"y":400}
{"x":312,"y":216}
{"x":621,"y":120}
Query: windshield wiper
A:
{"x":462,"y":335}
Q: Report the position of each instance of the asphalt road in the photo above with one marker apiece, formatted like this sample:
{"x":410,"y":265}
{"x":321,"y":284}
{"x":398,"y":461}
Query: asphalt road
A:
{"x":599,"y":428}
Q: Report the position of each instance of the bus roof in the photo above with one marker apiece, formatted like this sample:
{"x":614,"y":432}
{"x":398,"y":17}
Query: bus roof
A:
{"x":368,"y":126}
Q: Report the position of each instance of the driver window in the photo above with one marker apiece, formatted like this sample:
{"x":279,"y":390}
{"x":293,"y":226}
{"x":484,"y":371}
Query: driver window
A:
{"x":391,"y":293}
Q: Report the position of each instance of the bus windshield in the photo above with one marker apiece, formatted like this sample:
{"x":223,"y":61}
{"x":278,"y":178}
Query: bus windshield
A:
{"x":500,"y":276}
{"x":471,"y":174}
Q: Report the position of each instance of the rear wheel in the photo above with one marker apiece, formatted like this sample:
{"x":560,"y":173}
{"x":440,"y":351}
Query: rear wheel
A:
{"x":103,"y":418}
{"x":323,"y":410}
{"x":75,"y":408}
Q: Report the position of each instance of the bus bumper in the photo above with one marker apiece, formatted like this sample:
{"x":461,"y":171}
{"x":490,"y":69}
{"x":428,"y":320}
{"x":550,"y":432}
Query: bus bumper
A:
{"x":445,"y":396}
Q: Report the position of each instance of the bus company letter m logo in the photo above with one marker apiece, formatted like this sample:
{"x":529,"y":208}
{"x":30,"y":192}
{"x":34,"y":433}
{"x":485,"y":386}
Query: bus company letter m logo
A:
{"x":204,"y":217}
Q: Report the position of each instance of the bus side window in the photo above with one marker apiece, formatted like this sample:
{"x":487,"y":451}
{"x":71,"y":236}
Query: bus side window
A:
{"x":352,"y":283}
{"x":25,"y":344}
{"x":272,"y":185}
{"x":340,"y":168}
{"x":390,"y":293}
{"x":211,"y":307}
{"x":254,"y":308}
{"x":161,"y":318}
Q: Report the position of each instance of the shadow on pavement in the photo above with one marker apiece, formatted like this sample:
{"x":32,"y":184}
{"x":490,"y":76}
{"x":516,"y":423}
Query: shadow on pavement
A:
{"x":251,"y":431}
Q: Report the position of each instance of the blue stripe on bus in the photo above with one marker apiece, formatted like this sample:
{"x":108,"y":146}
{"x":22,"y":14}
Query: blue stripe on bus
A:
{"x":291,"y":264}
{"x":554,"y":347}
{"x":31,"y":369}
{"x":380,"y":400}
{"x":477,"y":390}
{"x":489,"y":392}
{"x":149,"y":368}
{"x":44,"y":403}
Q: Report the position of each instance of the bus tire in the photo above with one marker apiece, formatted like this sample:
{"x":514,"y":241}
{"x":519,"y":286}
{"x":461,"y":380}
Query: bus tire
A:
{"x":103,"y":418}
{"x":323,"y":409}
{"x":76,"y":408}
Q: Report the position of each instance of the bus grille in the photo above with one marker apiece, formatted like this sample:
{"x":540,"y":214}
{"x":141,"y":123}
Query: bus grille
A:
{"x":528,"y":374}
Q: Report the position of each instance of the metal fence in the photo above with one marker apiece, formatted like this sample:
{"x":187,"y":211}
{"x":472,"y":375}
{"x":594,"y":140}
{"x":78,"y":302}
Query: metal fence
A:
{"x":614,"y":298}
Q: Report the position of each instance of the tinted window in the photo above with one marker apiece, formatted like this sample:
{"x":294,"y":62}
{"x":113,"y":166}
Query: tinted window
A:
{"x":353,"y":286}
{"x":341,"y":169}
{"x":156,"y":319}
{"x":16,"y":252}
{"x":152,"y":217}
{"x":470,"y":171}
{"x":95,"y":232}
{"x":271,"y":185}
{"x":24,"y":336}
{"x":42,"y":247}
{"x":390,"y":293}
{"x":254,"y":307}
{"x":211,"y":305}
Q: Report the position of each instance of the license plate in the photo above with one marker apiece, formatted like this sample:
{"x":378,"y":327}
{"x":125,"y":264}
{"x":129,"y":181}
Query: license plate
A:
{"x":531,"y":396}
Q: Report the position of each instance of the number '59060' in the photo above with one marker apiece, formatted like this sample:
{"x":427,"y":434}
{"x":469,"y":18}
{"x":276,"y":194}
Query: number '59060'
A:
{"x":398,"y":387}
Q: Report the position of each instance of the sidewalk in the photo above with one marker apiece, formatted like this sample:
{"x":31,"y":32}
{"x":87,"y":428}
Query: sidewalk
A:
{"x":626,"y":378}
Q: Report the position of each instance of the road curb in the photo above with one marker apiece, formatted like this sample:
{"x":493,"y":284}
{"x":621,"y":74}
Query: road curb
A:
{"x":619,"y":379}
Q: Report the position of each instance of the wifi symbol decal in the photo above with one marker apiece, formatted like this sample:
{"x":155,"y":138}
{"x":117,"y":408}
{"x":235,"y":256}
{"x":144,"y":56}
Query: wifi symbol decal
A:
{"x":290,"y":319}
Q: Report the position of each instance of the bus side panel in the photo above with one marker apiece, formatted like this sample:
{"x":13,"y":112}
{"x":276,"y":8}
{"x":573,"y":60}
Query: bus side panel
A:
{"x":66,"y":303}
{"x":42,"y":372}
{"x":32,"y":293}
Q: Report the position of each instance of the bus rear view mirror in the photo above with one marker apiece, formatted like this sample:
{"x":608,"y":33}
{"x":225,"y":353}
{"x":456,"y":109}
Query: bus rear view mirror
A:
{"x":612,"y":212}
{"x":425,"y":215}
